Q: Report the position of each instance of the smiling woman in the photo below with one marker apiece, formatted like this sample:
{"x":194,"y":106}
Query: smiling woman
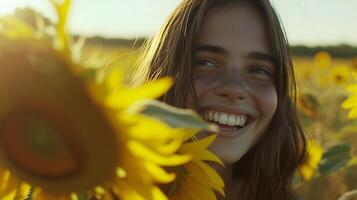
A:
{"x":231,"y":64}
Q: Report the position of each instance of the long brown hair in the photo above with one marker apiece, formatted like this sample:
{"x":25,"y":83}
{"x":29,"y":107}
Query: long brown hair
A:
{"x":267,"y":169}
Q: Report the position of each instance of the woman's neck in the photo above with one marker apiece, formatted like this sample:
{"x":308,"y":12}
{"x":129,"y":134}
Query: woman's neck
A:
{"x":231,"y":185}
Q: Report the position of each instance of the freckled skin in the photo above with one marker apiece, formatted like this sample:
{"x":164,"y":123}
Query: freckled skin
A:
{"x":233,"y":79}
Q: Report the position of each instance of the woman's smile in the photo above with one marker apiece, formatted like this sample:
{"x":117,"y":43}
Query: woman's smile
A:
{"x":231,"y":124}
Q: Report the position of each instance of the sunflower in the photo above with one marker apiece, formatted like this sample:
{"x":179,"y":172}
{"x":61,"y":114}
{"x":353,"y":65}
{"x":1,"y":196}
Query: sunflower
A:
{"x":314,"y":155}
{"x":51,"y":131}
{"x":340,"y":75}
{"x":56,"y":136}
{"x":322,"y":60}
{"x":57,"y":132}
{"x":351,"y":101}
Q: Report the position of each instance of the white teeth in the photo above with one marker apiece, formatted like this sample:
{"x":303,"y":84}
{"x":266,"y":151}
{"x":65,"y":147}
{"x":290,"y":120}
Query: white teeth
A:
{"x":226,"y":119}
{"x":241,"y":120}
{"x":223,"y":118}
{"x":231,"y":120}
{"x":238,"y":121}
{"x":216,"y":117}
{"x":210,"y":115}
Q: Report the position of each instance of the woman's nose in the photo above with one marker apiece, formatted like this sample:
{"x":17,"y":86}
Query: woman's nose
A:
{"x":232,"y":87}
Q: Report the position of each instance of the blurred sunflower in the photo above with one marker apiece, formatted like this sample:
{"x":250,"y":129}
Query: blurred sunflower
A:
{"x":351,"y":101}
{"x":57,"y":132}
{"x":51,"y":131}
{"x":322,"y":60}
{"x":340,"y":75}
{"x":314,"y":155}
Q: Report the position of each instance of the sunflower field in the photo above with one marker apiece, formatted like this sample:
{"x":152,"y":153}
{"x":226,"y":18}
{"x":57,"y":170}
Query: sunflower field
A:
{"x":71,"y":126}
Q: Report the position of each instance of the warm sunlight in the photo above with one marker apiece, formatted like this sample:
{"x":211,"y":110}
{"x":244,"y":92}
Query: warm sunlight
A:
{"x":178,"y":99}
{"x":8,"y":6}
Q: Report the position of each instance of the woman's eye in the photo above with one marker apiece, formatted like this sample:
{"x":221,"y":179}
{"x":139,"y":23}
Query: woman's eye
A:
{"x":206,"y":63}
{"x":261,"y":71}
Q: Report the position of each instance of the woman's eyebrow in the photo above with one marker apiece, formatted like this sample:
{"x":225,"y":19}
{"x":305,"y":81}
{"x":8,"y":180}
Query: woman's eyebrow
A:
{"x":261,"y":56}
{"x":211,"y":48}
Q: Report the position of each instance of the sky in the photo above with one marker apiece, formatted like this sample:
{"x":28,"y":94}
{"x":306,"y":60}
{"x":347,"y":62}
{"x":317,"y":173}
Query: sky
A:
{"x":307,"y":22}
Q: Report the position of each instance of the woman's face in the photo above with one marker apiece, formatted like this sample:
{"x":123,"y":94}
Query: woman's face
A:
{"x":234,"y":78}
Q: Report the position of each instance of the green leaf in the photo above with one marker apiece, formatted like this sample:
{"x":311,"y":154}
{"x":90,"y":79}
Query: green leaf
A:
{"x":313,"y":100}
{"x":335,"y":158}
{"x":297,"y":179}
{"x":174,"y":117}
{"x":337,"y":151}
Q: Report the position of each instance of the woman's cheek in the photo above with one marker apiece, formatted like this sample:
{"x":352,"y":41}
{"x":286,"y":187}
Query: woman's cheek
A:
{"x":267,"y":99}
{"x":203,"y":84}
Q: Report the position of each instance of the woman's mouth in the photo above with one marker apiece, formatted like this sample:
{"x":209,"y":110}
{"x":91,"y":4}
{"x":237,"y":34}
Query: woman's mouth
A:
{"x":229,"y":123}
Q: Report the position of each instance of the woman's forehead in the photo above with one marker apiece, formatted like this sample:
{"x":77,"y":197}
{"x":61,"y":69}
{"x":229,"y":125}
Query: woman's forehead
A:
{"x":237,"y":27}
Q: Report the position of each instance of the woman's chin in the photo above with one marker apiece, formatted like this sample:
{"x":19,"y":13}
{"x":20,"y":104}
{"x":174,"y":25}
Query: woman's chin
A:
{"x":227,"y":156}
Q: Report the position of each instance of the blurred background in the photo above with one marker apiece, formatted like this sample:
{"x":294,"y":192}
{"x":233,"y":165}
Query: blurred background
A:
{"x":323,"y":38}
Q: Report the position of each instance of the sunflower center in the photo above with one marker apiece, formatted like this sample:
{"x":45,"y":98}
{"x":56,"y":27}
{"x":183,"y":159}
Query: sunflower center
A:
{"x":33,"y":142}
{"x":339,"y":78}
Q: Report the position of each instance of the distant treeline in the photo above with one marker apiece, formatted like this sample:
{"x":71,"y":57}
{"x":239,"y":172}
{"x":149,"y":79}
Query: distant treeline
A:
{"x":117,"y":42}
{"x":343,"y":51}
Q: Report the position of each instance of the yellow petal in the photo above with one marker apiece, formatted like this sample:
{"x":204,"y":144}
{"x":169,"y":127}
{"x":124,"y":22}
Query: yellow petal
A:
{"x":158,"y":194}
{"x":169,"y":148}
{"x":352,"y":88}
{"x":197,"y":173}
{"x":9,"y":196}
{"x":207,"y":156}
{"x":142,"y":151}
{"x":307,"y":172}
{"x":23,"y":191}
{"x":142,"y":191}
{"x":158,"y":173}
{"x":350,"y":102}
{"x":353,"y":113}
{"x":197,"y":191}
{"x":146,"y":128}
{"x":211,"y":173}
{"x":151,"y":90}
{"x":198,"y":145}
{"x":114,"y":80}
{"x":9,"y":185}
